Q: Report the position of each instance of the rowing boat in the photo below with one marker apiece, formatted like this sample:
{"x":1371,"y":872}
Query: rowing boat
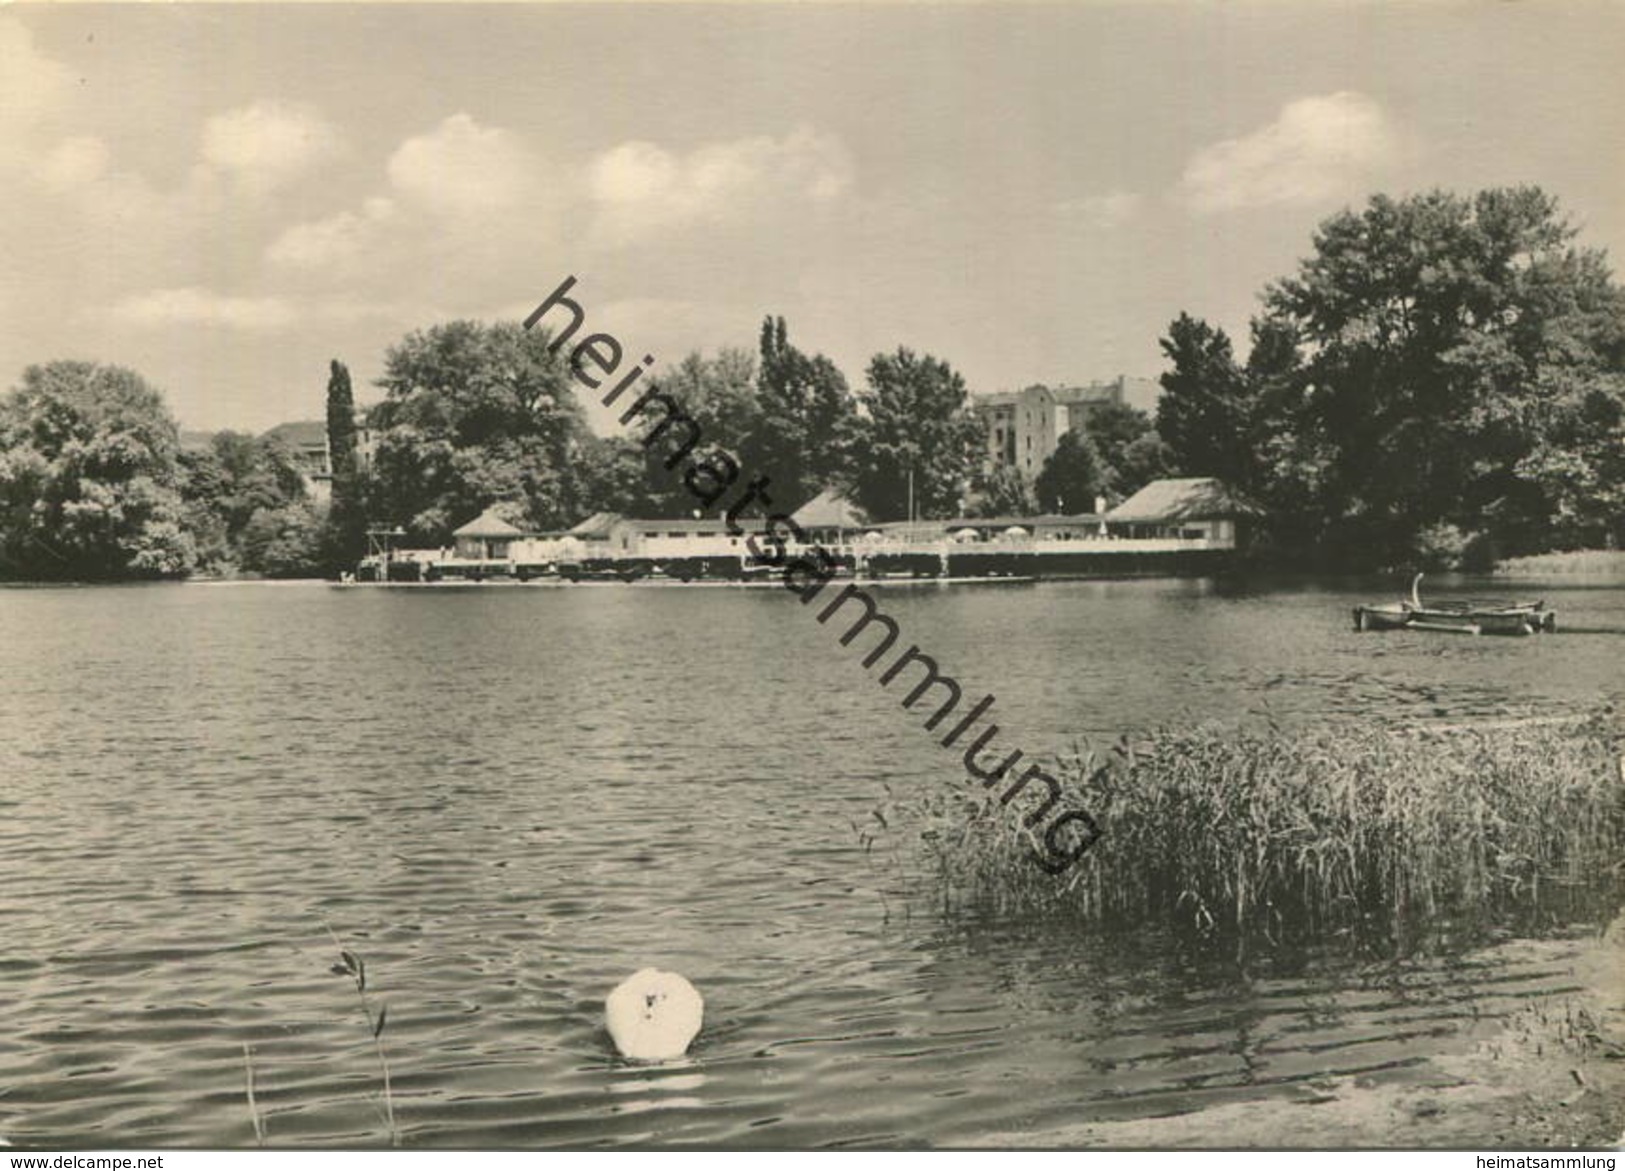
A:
{"x":1456,"y":616}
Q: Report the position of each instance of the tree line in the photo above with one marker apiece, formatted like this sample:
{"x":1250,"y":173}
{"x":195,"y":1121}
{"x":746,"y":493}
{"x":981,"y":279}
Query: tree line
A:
{"x":1441,"y":380}
{"x":95,"y":484}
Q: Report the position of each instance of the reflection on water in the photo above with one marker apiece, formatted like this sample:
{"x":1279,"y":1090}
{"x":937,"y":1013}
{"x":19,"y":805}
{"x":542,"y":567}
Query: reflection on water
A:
{"x":507,"y":800}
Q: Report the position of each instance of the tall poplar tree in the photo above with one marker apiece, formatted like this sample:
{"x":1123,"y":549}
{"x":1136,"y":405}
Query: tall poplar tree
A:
{"x":807,"y":419}
{"x":347,"y":517}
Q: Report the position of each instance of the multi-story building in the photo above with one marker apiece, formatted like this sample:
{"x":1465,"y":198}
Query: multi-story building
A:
{"x":307,"y":441}
{"x":1023,"y":427}
{"x":1020,"y":427}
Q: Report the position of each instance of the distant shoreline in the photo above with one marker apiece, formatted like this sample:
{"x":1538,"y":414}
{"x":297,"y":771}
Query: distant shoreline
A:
{"x":1607,"y":564}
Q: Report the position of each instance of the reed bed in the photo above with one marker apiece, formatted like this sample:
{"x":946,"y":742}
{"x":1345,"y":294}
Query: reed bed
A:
{"x":1310,"y":833}
{"x":1607,"y":564}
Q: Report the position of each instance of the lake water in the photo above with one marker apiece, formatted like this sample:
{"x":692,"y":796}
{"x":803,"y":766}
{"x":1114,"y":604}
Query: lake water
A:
{"x":507,"y":799}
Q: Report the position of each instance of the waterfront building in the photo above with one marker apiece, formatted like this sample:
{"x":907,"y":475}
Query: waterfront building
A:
{"x":485,"y":538}
{"x":1081,"y":526}
{"x":831,"y":519}
{"x":594,"y":537}
{"x":595,"y":533}
{"x":661,"y":540}
{"x":1192,"y":508}
{"x":1186,"y":525}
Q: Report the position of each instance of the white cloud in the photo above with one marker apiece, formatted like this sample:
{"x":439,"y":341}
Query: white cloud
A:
{"x":268,"y":143}
{"x":1317,"y":148}
{"x":195,"y":306}
{"x":463,"y":168}
{"x":462,"y":196}
{"x":32,"y":85}
{"x":74,"y":162}
{"x":1110,"y":210}
{"x":35,"y":94}
{"x":639,"y":186}
{"x":459,"y":194}
{"x":337,"y":241}
{"x":632,"y":173}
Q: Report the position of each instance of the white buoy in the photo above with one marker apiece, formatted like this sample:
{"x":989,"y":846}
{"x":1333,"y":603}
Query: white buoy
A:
{"x":654,"y":1015}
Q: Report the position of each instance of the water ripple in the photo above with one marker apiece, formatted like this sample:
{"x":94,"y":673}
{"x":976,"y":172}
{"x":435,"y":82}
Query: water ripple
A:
{"x":507,"y":800}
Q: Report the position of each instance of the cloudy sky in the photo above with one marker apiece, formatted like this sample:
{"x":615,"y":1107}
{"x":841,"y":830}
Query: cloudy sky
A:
{"x":226,"y":198}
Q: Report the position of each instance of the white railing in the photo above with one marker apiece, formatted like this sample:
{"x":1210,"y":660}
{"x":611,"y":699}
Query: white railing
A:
{"x":542,"y":551}
{"x":893,"y":546}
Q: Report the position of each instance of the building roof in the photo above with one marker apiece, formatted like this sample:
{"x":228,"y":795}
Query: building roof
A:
{"x":706,"y":525}
{"x":1010,"y":398}
{"x":597,"y":525}
{"x":1050,"y":520}
{"x":488,"y":524}
{"x":830,"y":510}
{"x":1047,"y":521}
{"x":1140,"y":393}
{"x":1095,"y":392}
{"x":302,"y":433}
{"x":1003,"y":398}
{"x":1189,"y":498}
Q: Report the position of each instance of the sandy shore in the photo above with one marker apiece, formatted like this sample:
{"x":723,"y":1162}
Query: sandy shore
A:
{"x":1552,"y":1077}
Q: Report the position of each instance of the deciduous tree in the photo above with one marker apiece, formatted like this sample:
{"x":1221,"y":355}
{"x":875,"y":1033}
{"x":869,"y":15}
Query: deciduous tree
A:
{"x":237,"y":475}
{"x":88,"y":477}
{"x":1205,"y":412}
{"x":1003,"y":491}
{"x":618,"y":474}
{"x":1147,"y":458}
{"x":285,"y":542}
{"x":918,"y":422}
{"x":807,"y":421}
{"x":1450,"y":346}
{"x":1072,"y":477}
{"x":474,"y":414}
{"x":1112,"y":427}
{"x":720,"y":394}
